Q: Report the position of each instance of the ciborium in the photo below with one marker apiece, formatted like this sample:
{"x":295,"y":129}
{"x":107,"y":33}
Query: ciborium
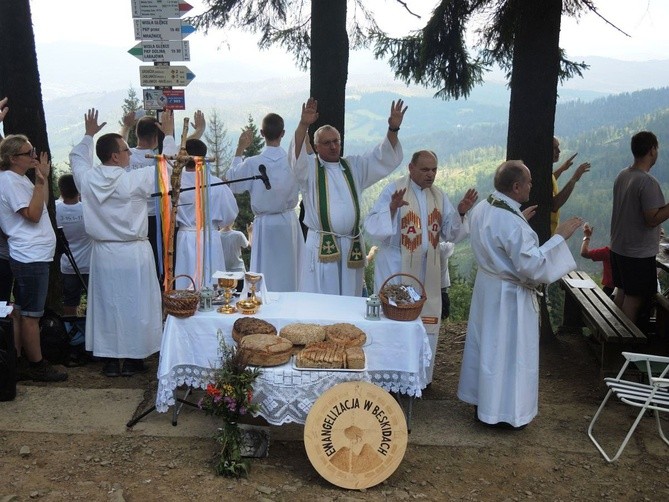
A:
{"x":253,"y":279}
{"x":228,"y":284}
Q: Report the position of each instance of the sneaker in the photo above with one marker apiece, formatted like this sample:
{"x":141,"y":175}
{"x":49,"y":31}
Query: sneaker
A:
{"x":45,"y":372}
{"x":112,"y":368}
{"x":132,"y":367}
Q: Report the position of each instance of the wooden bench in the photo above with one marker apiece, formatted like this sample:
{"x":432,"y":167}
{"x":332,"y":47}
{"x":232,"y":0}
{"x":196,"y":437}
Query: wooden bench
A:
{"x":593,"y":309}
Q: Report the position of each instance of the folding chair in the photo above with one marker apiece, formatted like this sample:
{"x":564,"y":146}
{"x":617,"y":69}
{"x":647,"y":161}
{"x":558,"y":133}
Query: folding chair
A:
{"x":645,"y":396}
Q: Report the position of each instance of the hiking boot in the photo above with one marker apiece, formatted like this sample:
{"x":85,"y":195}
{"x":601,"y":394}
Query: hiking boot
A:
{"x":43,"y":371}
{"x":132,"y":367}
{"x":112,"y":368}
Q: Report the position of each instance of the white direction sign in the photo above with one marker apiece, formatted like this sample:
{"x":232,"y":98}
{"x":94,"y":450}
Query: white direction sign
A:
{"x":159,"y":8}
{"x":161,"y":29}
{"x":165,"y":76}
{"x":173,"y":50}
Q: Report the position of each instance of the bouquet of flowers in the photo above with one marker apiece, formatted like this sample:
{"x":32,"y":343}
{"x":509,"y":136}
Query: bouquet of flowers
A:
{"x":230,"y":397}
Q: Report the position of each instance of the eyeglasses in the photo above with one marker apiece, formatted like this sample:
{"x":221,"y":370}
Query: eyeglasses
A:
{"x":29,"y":153}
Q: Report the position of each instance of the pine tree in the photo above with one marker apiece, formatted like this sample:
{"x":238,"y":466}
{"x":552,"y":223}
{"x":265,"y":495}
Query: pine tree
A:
{"x":218,"y":143}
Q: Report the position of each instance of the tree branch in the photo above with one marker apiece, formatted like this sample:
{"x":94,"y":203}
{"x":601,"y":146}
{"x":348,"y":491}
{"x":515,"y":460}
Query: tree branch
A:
{"x":406,"y":7}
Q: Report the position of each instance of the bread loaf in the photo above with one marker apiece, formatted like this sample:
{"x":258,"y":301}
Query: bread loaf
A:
{"x":303,"y":333}
{"x":265,"y":350}
{"x":346,"y":334}
{"x":355,"y":358}
{"x":251,"y":326}
{"x":322,"y":355}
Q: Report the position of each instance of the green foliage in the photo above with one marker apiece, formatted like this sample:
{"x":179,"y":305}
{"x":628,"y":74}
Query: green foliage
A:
{"x":130,"y":104}
{"x":230,"y":397}
{"x":460,"y":294}
{"x":437,"y":56}
{"x":218,"y":143}
{"x":286,"y":23}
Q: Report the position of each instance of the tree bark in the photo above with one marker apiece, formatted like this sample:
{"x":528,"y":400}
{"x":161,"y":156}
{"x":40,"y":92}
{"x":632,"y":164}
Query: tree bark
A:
{"x":534,"y":80}
{"x":329,"y":62}
{"x":20,"y":82}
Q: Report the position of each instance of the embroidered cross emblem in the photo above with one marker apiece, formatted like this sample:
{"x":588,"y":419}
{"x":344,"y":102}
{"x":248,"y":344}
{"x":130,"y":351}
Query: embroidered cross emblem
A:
{"x":328,"y":247}
{"x":356,"y":254}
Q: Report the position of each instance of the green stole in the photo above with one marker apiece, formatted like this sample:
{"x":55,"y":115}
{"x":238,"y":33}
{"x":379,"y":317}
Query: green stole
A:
{"x":328,"y":249}
{"x":502,"y":204}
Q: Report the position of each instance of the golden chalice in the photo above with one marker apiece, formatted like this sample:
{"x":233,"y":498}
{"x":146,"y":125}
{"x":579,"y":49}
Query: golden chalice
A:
{"x":228,"y":284}
{"x":253,"y":279}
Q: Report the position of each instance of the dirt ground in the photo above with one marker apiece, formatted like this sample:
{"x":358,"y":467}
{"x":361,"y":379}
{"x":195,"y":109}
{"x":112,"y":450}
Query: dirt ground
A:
{"x":552,"y":459}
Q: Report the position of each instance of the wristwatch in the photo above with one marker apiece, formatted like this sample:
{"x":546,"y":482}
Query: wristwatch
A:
{"x":586,"y":238}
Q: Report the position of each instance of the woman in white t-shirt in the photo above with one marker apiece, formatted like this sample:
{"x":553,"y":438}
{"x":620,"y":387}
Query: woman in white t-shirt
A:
{"x":32,"y":243}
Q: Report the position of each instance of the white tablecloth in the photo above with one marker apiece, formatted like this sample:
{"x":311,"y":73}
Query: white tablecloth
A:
{"x":397,"y":352}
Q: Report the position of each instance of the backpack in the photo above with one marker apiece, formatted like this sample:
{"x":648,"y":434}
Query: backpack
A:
{"x":7,"y":361}
{"x":54,"y":339}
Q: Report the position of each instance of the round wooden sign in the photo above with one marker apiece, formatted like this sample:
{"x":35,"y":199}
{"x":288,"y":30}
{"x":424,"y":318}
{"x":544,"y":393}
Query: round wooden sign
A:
{"x":355,"y":435}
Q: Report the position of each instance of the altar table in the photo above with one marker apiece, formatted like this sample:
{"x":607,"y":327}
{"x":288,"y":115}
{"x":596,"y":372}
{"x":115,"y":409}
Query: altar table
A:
{"x":398,"y":354}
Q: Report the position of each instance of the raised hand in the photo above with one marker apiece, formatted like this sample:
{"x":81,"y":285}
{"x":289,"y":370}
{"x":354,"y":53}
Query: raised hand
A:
{"x":199,"y":123}
{"x":42,"y":168}
{"x":309,"y":112}
{"x":397,"y":201}
{"x":580,"y":170}
{"x":587,"y":230}
{"x":129,"y":119}
{"x":397,"y":111}
{"x":567,"y":228}
{"x":245,"y":139}
{"x":91,"y":122}
{"x":468,"y":201}
{"x":3,"y":108}
{"x":166,"y":123}
{"x":567,"y":163}
{"x":530,"y":211}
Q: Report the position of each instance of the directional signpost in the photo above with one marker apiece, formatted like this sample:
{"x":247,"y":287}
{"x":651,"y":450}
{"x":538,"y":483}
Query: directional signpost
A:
{"x":162,"y":50}
{"x":165,"y":76}
{"x":161,"y":29}
{"x":161,"y":34}
{"x":161,"y":9}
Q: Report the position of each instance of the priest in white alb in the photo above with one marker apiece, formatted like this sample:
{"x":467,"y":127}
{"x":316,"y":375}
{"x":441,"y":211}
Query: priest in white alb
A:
{"x":124,"y":314}
{"x":500,"y":366}
{"x":407,"y":222}
{"x":278,"y":243}
{"x":331,"y":188}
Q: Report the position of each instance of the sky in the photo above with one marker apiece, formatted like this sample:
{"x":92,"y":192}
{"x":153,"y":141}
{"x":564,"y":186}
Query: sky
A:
{"x":79,"y":40}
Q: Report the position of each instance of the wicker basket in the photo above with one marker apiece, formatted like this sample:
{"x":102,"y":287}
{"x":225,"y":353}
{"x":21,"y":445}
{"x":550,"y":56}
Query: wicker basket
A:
{"x":181,"y":302}
{"x":404,"y":312}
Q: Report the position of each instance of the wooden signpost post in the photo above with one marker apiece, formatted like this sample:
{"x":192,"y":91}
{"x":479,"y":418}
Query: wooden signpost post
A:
{"x":161,"y":40}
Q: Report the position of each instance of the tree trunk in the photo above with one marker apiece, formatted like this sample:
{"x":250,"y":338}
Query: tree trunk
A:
{"x":534,"y":80}
{"x":20,"y":82}
{"x":329,"y":61}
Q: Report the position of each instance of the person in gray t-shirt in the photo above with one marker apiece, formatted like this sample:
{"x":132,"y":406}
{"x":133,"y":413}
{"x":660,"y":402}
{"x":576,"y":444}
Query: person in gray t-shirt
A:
{"x":638,"y":211}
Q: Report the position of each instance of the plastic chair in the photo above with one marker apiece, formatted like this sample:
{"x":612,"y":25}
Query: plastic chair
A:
{"x":645,"y":396}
